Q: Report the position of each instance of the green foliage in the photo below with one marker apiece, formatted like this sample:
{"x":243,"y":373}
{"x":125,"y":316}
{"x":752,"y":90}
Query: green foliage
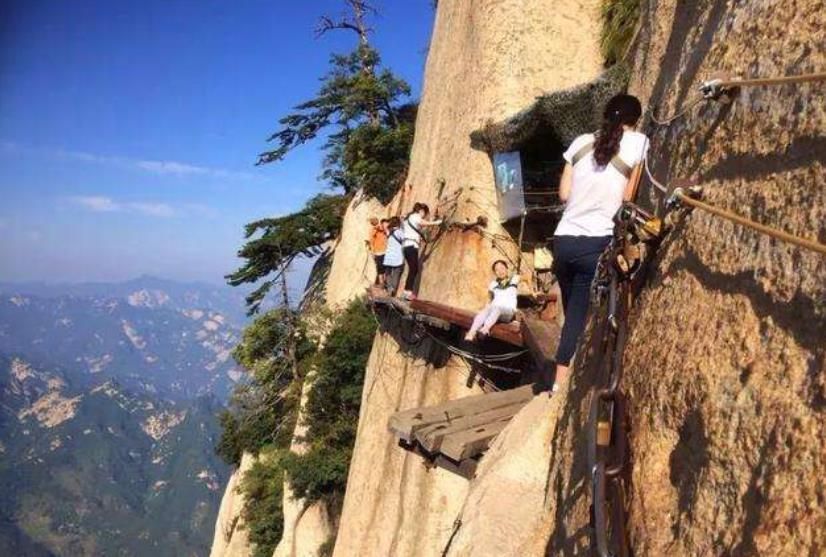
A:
{"x":326,"y":549}
{"x":619,"y":23}
{"x":376,"y":157}
{"x":263,"y":513}
{"x":230,"y":445}
{"x":283,"y":239}
{"x":332,"y":408}
{"x":352,"y":93}
{"x":368,"y":133}
{"x":262,"y":411}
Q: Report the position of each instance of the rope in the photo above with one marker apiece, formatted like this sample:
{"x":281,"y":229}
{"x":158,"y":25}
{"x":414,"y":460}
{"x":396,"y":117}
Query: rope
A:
{"x":479,"y":358}
{"x":761,"y":81}
{"x":713,"y":88}
{"x":654,"y":182}
{"x":679,"y":114}
{"x":805,"y":243}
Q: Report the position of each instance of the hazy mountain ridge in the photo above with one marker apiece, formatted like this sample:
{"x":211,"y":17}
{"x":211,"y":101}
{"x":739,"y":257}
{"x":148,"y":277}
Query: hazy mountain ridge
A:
{"x":99,"y":470}
{"x":145,"y":291}
{"x":108,"y":415}
{"x":153,"y":340}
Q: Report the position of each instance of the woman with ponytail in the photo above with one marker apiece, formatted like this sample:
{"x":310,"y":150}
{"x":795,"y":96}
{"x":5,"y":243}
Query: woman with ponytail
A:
{"x":601,"y":171}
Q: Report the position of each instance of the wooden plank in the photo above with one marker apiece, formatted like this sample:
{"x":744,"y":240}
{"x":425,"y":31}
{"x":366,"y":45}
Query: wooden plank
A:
{"x":471,"y":442}
{"x":541,"y":338}
{"x":507,"y":332}
{"x":406,"y":422}
{"x":431,"y":437}
{"x":432,"y":321}
{"x":379,"y":296}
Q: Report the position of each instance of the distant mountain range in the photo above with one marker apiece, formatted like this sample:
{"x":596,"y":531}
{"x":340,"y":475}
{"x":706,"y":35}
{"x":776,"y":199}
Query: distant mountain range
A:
{"x":146,"y":291}
{"x":109,"y":395}
{"x":98,"y":471}
{"x":151,"y":335}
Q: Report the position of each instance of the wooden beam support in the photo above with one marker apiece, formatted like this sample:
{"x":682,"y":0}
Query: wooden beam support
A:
{"x":541,"y":338}
{"x":471,"y":442}
{"x":507,"y":332}
{"x":465,"y":468}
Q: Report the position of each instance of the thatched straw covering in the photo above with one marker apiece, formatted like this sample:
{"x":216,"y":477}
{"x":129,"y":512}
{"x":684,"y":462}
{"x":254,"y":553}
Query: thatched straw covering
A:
{"x":569,"y":113}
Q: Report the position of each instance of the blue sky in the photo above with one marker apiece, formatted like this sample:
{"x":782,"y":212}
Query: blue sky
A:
{"x":129,"y":129}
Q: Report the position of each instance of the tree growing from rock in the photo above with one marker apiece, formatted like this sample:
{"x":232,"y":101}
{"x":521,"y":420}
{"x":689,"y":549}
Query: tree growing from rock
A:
{"x":367,"y":132}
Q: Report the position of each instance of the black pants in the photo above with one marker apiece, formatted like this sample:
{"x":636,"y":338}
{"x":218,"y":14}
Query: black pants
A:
{"x":575,"y":263}
{"x":379,"y":261}
{"x":411,"y":256}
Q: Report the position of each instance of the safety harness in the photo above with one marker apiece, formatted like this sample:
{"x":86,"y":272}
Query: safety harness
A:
{"x":620,"y":165}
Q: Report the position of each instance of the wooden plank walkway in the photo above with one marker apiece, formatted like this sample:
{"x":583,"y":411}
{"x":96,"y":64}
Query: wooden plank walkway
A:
{"x":455,"y":433}
{"x":404,"y":424}
{"x":507,"y":332}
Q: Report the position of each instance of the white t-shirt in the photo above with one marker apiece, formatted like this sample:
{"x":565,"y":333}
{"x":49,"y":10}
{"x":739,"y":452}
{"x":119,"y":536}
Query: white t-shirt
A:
{"x":411,"y":236}
{"x":393,"y":256}
{"x":596,"y":193}
{"x":505,"y":297}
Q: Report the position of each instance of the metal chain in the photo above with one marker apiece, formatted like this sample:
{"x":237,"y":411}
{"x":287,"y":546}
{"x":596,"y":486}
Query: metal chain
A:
{"x":607,"y":438}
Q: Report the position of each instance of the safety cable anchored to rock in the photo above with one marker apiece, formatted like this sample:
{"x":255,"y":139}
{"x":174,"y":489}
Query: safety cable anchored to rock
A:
{"x":714,"y":89}
{"x":680,"y":195}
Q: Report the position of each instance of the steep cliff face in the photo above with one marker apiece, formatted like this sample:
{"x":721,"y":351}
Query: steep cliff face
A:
{"x":725,"y":362}
{"x":344,"y":273}
{"x":230,"y":538}
{"x":724,"y":366}
{"x":728,"y":402}
{"x":487,"y":60}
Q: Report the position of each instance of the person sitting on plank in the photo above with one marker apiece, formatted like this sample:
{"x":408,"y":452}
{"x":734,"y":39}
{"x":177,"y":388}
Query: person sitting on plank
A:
{"x":502,"y":307}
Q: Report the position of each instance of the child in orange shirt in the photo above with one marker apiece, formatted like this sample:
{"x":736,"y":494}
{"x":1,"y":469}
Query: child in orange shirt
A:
{"x":378,"y":245}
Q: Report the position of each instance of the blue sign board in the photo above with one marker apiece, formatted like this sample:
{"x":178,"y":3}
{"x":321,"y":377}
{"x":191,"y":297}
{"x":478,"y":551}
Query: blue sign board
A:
{"x":507,"y":168}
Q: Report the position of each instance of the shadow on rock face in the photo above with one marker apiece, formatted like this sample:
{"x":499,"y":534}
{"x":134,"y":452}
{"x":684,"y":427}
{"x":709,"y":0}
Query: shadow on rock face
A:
{"x":688,"y":459}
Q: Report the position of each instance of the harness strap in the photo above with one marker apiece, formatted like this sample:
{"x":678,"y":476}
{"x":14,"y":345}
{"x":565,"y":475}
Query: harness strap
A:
{"x":416,"y":229}
{"x":619,"y":164}
{"x":507,"y":285}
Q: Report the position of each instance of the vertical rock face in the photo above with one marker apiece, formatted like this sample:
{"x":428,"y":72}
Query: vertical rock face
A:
{"x":729,"y":404}
{"x":230,"y":538}
{"x":306,"y":527}
{"x":487,"y":60}
{"x":352,"y":268}
{"x":725,"y":363}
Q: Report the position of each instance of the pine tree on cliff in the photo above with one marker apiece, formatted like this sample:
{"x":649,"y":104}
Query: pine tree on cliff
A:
{"x":368,"y":133}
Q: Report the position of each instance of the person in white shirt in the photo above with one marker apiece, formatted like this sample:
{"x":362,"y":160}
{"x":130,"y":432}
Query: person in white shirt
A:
{"x":393,"y":256}
{"x":601,"y":171}
{"x":502,"y":306}
{"x":412,"y":231}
